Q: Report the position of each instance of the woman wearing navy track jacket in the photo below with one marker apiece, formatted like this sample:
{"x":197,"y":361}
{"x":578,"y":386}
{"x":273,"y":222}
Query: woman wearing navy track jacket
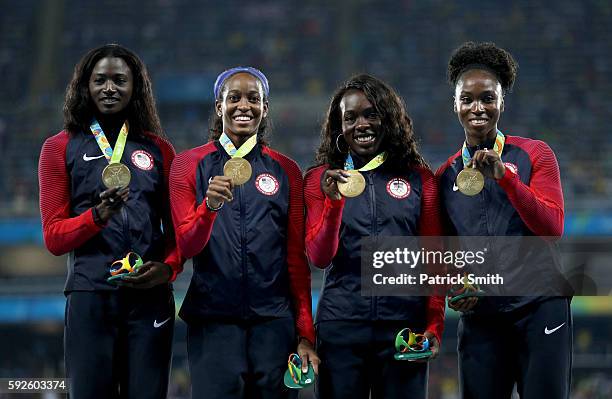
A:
{"x":505,"y":340}
{"x":117,"y":340}
{"x":249,"y":302}
{"x":367,"y":128}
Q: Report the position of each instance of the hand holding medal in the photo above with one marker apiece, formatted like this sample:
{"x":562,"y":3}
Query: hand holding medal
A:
{"x":238,"y":168}
{"x":112,"y":200}
{"x":355,"y":184}
{"x":236,"y":172}
{"x":330,"y":180}
{"x":489,"y":163}
{"x":219,"y":191}
{"x":115,"y":174}
{"x":484,"y":163}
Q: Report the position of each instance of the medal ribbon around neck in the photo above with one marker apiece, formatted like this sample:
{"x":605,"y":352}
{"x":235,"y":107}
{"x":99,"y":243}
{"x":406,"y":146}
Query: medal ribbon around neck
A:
{"x":470,"y":181}
{"x":498,"y":147}
{"x":111,"y":155}
{"x":244,"y":149}
{"x":238,"y":168}
{"x":355,"y":183}
{"x":373,"y":164}
{"x":115,"y":174}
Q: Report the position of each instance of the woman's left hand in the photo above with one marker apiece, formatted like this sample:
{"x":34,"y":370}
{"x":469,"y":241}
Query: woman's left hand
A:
{"x":149,"y":275}
{"x":434,"y":344}
{"x":489,"y":163}
{"x":307,"y":353}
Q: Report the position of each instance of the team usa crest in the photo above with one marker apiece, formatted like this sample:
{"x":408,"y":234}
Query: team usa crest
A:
{"x":398,"y":188}
{"x":513,"y":168}
{"x":267,"y":184}
{"x":142,"y":160}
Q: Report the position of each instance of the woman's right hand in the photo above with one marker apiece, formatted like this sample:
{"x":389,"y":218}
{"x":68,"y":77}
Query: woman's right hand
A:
{"x":219,"y":190}
{"x":329,"y":182}
{"x":464,"y":304}
{"x":113,"y":200}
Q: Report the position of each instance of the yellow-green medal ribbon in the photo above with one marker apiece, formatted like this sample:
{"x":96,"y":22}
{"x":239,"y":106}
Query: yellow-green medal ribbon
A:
{"x":470,"y":181}
{"x":238,"y":168}
{"x":115,"y":174}
{"x":356,"y":182}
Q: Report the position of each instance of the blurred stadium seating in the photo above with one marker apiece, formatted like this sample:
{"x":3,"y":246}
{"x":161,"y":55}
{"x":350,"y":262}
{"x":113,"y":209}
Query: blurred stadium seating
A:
{"x":306,"y":48}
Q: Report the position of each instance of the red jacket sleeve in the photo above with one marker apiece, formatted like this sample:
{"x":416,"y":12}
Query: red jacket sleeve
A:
{"x":299,"y":273}
{"x":61,"y":232}
{"x":430,"y":225}
{"x":540,"y":204}
{"x":192,"y":223}
{"x":173,"y":257}
{"x":323,"y":220}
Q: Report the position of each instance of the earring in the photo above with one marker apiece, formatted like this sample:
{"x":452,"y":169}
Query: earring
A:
{"x":338,"y":144}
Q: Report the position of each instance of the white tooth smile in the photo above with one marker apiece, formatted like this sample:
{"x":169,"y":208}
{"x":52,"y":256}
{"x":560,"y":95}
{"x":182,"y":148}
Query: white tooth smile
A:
{"x":365,"y":139}
{"x":243,"y":118}
{"x":479,"y":121}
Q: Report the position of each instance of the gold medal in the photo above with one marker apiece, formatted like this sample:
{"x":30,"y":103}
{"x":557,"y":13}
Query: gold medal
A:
{"x":470,"y":181}
{"x":116,"y":175}
{"x":239,"y":169}
{"x":355,"y":185}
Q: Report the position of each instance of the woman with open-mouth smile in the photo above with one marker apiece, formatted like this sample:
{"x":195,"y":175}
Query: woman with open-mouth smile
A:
{"x":504,"y":185}
{"x":370,"y":181}
{"x":104,"y":197}
{"x":238,"y":211}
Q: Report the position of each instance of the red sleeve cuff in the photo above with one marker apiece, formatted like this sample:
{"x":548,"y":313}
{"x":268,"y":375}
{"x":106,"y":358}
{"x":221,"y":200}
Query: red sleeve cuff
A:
{"x":308,"y":333}
{"x":330,"y":203}
{"x":436,"y":329}
{"x":435,"y":316}
{"x":204,"y":212}
{"x":93,"y":217}
{"x":91,"y":224}
{"x":174,"y":274}
{"x":508,"y":179}
{"x":174,"y":261}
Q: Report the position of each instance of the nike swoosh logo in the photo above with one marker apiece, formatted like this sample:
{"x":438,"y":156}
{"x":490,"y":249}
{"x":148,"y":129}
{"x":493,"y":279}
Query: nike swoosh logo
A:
{"x":158,"y":325}
{"x":548,"y":332}
{"x":87,"y":159}
{"x":455,"y":188}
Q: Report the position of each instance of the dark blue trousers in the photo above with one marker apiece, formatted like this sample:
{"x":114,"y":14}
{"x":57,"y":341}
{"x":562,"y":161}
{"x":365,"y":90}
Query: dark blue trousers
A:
{"x":531,"y":346}
{"x":118,"y":344}
{"x":357,"y":362}
{"x":240,"y":360}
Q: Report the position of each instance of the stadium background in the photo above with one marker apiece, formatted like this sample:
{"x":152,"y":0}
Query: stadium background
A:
{"x":306,"y":49}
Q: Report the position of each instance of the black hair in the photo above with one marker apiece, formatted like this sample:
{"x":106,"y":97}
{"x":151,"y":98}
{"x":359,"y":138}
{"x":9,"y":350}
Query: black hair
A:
{"x":487,"y":56}
{"x":141,"y":111}
{"x":399,"y":141}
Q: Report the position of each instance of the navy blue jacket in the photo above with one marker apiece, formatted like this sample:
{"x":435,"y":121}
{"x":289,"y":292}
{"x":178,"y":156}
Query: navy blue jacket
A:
{"x":70,"y":173}
{"x":393,"y":204}
{"x":248,"y":257}
{"x":527,"y":201}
